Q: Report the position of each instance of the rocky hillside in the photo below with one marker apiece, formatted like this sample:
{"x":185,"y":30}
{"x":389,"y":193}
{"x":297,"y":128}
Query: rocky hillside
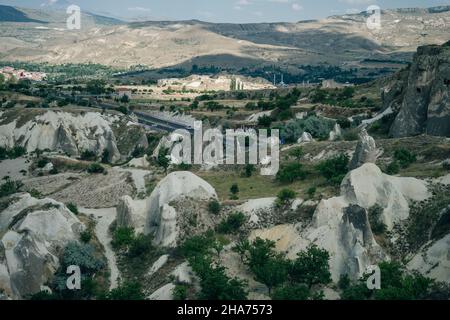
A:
{"x":335,"y":40}
{"x":71,"y":133}
{"x":421,"y":94}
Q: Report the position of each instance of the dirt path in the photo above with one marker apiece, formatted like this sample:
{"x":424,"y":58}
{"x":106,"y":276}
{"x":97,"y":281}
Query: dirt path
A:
{"x":104,"y":219}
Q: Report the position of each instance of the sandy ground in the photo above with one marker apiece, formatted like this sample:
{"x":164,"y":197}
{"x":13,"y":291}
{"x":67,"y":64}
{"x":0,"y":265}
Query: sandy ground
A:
{"x":12,"y":168}
{"x":138,"y":176}
{"x":104,"y":219}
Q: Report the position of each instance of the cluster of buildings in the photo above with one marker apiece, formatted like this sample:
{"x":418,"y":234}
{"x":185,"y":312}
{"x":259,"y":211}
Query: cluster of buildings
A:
{"x":20,"y":74}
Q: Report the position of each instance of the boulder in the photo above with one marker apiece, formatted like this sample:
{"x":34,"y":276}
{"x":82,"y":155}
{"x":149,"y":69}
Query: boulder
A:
{"x":164,"y":293}
{"x":336,"y":133}
{"x":183,"y":273}
{"x":367,"y":186}
{"x":32,"y":235}
{"x":433,"y":260}
{"x":131,"y":213}
{"x":305,"y":138}
{"x":156,"y":215}
{"x":366,"y":151}
{"x":158,"y":264}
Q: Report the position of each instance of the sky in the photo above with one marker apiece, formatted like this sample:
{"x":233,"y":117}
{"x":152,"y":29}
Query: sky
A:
{"x":235,"y":11}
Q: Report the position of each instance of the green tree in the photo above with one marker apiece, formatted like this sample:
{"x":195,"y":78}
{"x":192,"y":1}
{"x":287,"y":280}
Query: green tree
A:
{"x":214,"y":207}
{"x":291,"y":292}
{"x":297,"y":153}
{"x":163,"y":158}
{"x":334,"y":169}
{"x":311,"y":267}
{"x":285,"y":197}
{"x":291,"y":172}
{"x":126,"y":291}
{"x":232,"y":223}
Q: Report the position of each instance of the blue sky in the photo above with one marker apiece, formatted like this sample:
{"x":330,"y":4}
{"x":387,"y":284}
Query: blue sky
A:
{"x":227,"y":10}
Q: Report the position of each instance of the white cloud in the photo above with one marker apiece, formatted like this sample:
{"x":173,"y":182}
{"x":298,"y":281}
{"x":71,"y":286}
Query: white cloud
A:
{"x":139,"y":9}
{"x":358,"y":1}
{"x":296,"y":7}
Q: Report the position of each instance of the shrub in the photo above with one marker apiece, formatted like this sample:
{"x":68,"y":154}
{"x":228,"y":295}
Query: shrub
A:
{"x":318,"y":127}
{"x":214,"y":207}
{"x":95,"y":168}
{"x":140,"y":245}
{"x":197,"y":245}
{"x":334,"y":169}
{"x":404,"y":158}
{"x":88,"y":155}
{"x":234,"y":189}
{"x":265,"y":121}
{"x":446,"y":165}
{"x":393,"y":168}
{"x":291,"y":172}
{"x":73,"y":207}
{"x":82,"y":255}
{"x":214,"y":283}
{"x":248,"y":170}
{"x":126,"y":291}
{"x":180,"y":292}
{"x":291,"y":292}
{"x":10,"y":187}
{"x":311,"y":267}
{"x":311,"y":192}
{"x":86,"y":236}
{"x":285,"y":197}
{"x":232,"y":223}
{"x":297,"y":153}
{"x":122,"y":237}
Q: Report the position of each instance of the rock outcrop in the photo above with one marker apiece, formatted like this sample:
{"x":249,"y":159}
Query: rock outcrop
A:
{"x":305,"y":138}
{"x":366,"y":151}
{"x":158,"y":215}
{"x":433,"y":260}
{"x":423,"y":100}
{"x":70,"y":132}
{"x":341,"y":225}
{"x":367,"y":186}
{"x":32,"y":235}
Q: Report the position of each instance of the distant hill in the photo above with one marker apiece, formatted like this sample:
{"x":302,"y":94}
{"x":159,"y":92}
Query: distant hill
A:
{"x":11,"y":14}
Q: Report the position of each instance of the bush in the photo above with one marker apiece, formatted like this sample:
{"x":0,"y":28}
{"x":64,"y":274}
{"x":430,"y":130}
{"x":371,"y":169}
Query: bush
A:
{"x":180,"y":292}
{"x":404,"y":158}
{"x":88,"y":155}
{"x":446,"y":165}
{"x":126,"y":291}
{"x":214,"y":283}
{"x":10,"y":187}
{"x":122,"y":237}
{"x":291,"y":172}
{"x":285,"y":197}
{"x":291,"y":292}
{"x":95,"y":168}
{"x":197,"y":245}
{"x":232,"y":223}
{"x":73,"y":207}
{"x":13,"y":153}
{"x":140,"y":245}
{"x":82,"y":255}
{"x":214,"y":207}
{"x":318,"y":127}
{"x":265,"y":121}
{"x":393,"y":168}
{"x":86,"y":236}
{"x":311,"y":267}
{"x":248,"y":170}
{"x":335,"y":169}
{"x":234,"y":189}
